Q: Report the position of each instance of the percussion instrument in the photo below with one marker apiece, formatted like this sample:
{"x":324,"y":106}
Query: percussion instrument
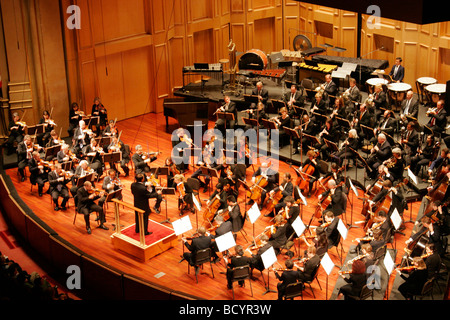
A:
{"x":421,"y":83}
{"x":372,"y":82}
{"x":435,"y":92}
{"x":253,"y":59}
{"x":397,"y":92}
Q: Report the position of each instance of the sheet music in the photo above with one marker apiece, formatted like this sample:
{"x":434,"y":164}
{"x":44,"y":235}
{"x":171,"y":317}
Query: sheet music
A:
{"x":182,"y":225}
{"x":225,"y":242}
{"x":298,"y":226}
{"x":254,"y":213}
{"x":269,"y":257}
{"x":342,"y":229}
{"x":327,"y":264}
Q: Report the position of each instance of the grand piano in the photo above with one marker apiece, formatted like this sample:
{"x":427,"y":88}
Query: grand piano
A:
{"x":186,"y":113}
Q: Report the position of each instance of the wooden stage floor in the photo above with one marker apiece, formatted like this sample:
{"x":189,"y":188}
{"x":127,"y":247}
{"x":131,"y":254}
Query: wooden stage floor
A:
{"x":165,"y":269}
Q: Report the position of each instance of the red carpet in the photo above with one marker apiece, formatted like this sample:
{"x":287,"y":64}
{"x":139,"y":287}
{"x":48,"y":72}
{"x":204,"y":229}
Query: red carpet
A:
{"x":159,"y":232}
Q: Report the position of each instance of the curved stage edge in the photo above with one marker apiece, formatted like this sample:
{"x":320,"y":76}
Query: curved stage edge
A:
{"x":98,"y":279}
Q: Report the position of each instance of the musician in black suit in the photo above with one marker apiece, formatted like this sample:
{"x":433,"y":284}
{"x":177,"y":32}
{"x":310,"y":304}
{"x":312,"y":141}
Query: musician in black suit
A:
{"x":438,"y":116}
{"x":352,"y":96}
{"x":278,"y":238}
{"x":24,"y":151}
{"x":141,"y":197}
{"x":86,"y":204}
{"x":111,"y":183}
{"x":345,"y":152}
{"x":395,"y":166}
{"x":292,"y":211}
{"x":58,"y":180}
{"x":228,"y":107}
{"x":293,"y":98}
{"x":287,"y":277}
{"x":396,"y":194}
{"x":380,"y":100}
{"x":431,"y":231}
{"x":414,"y":283}
{"x":264,"y":245}
{"x":236,"y":218}
{"x":81,"y":137}
{"x":423,"y":155}
{"x":16,"y":133}
{"x":261,"y":93}
{"x":362,"y":117}
{"x":331,"y":230}
{"x":117,"y":145}
{"x":355,"y":282}
{"x":330,"y":88}
{"x":185,"y":202}
{"x":409,"y":140}
{"x":141,"y":160}
{"x":308,"y":126}
{"x":432,"y":260}
{"x":409,"y":107}
{"x":397,"y":72}
{"x":74,"y":118}
{"x":313,"y":175}
{"x":381,"y":152}
{"x":38,"y":171}
{"x":200,"y":242}
{"x":237,"y":260}
{"x":387,"y":124}
{"x":318,"y":106}
{"x":93,"y":153}
{"x":272,"y":177}
{"x":286,"y":188}
{"x":337,"y":203}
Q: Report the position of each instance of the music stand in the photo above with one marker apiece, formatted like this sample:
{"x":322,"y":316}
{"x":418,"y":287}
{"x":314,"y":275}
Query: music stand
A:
{"x":52,"y":151}
{"x":278,"y":104}
{"x":313,"y":139}
{"x":251,"y":99}
{"x":93,"y":121}
{"x":167,"y":191}
{"x":112,"y":157}
{"x":271,"y":125}
{"x":67,"y":166}
{"x":225,"y":116}
{"x":192,"y":152}
{"x":35,"y":130}
{"x":292,"y":133}
{"x":211,"y":172}
{"x":251,"y":122}
{"x":331,"y":145}
{"x":320,"y":117}
{"x":82,"y":180}
{"x":343,"y":122}
{"x":104,"y":141}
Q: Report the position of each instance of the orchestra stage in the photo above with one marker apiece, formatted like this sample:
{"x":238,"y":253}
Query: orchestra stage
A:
{"x":164,"y":270}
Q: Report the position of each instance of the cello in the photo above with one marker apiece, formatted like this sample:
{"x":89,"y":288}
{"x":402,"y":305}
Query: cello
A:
{"x":307,"y":171}
{"x":254,"y":192}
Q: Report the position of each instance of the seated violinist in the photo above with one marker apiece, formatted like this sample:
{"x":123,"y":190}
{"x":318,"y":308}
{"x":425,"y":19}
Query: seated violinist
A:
{"x":141,"y":160}
{"x":38,"y":171}
{"x":110,"y":184}
{"x":93,"y":153}
{"x":289,"y":214}
{"x":110,"y":130}
{"x":337,"y":198}
{"x":288,"y":276}
{"x":58,"y":180}
{"x":54,"y":140}
{"x":330,"y":227}
{"x":118,"y":146}
{"x":414,"y":283}
{"x":81,"y":137}
{"x":86,"y":204}
{"x":49,"y":125}
{"x":310,"y":264}
{"x":355,"y":283}
{"x":277,"y":238}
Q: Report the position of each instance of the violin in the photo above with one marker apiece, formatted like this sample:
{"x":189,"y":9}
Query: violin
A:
{"x":406,"y":269}
{"x":97,"y":192}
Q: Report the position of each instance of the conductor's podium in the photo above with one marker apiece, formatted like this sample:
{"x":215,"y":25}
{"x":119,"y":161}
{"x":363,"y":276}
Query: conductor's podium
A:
{"x":140,"y":245}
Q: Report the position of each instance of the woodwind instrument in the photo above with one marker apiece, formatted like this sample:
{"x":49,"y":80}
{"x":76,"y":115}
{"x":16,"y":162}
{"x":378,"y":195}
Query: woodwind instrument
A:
{"x":361,"y":256}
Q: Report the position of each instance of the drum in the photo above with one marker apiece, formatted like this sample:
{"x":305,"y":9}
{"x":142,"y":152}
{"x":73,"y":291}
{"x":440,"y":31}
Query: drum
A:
{"x":435,"y":92}
{"x":421,"y":83}
{"x":253,"y":59}
{"x":397,"y":92}
{"x":370,"y":83}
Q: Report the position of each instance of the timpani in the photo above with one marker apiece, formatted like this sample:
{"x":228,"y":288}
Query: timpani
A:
{"x":421,"y":83}
{"x":397,"y":93}
{"x":372,"y":82}
{"x":435,"y":92}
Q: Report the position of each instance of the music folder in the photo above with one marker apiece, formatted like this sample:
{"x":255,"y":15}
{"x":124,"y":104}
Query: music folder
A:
{"x":250,"y":122}
{"x":225,"y":116}
{"x":112,"y":157}
{"x":313,"y":139}
{"x":291,"y":132}
{"x":368,"y":131}
{"x":331,"y":145}
{"x":269,"y":124}
{"x":251,"y":98}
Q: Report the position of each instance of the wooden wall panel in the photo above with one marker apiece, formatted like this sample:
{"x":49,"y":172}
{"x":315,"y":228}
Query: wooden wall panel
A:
{"x":176,"y":46}
{"x":162,"y":65}
{"x":88,"y":86}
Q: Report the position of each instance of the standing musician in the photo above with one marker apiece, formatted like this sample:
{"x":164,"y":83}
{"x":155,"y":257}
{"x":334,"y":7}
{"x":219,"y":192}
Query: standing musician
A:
{"x":117,"y":145}
{"x":262,"y":93}
{"x":237,"y":260}
{"x":24,"y":154}
{"x":86,"y":204}
{"x":355,"y":283}
{"x":16,"y":133}
{"x":75,"y":116}
{"x":272,"y":177}
{"x":288,"y":276}
{"x":438,"y":116}
{"x":200,"y":242}
{"x":381,"y":152}
{"x":141,"y":160}
{"x":286,"y":188}
{"x":352,"y":96}
{"x":141,"y":196}
{"x":228,"y":107}
{"x":414,"y":283}
{"x":93,"y":154}
{"x":49,"y":125}
{"x":337,"y":203}
{"x":397,"y":72}
{"x":309,"y":171}
{"x":39,"y":170}
{"x":184,"y":192}
{"x":99,"y":110}
{"x":58,"y":180}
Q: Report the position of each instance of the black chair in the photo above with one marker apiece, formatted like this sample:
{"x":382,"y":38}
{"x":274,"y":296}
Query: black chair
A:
{"x":365,"y":293}
{"x":201,"y":257}
{"x":195,"y":185}
{"x":241,"y":274}
{"x":313,"y":277}
{"x":379,"y":254}
{"x":293,"y":290}
{"x":426,"y":290}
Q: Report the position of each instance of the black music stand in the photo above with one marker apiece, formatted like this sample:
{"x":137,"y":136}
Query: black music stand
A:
{"x":343,"y":123}
{"x":331,"y":145}
{"x":319,"y":117}
{"x":271,"y":125}
{"x":300,"y":111}
{"x":35,"y":130}
{"x":225,"y":116}
{"x":210,"y":172}
{"x":250,"y":122}
{"x":251,"y":99}
{"x":313,"y":139}
{"x":52,"y":151}
{"x":104,"y":141}
{"x":93,"y":121}
{"x":112,"y":157}
{"x":167,"y":191}
{"x":82,"y":180}
{"x":278,"y":104}
{"x":292,"y":133}
{"x":67,"y":166}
